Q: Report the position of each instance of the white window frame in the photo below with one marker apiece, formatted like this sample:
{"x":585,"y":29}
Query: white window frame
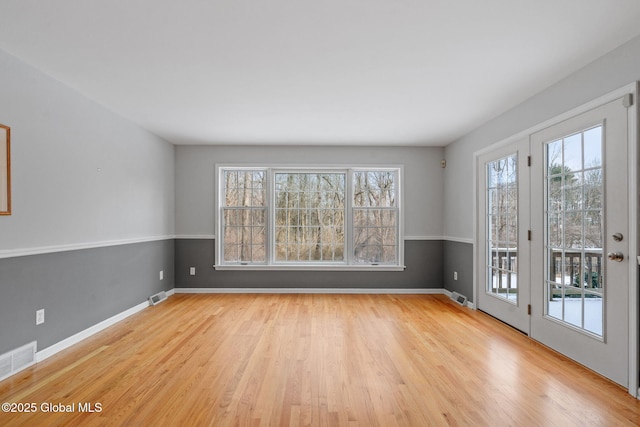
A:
{"x":348,"y":264}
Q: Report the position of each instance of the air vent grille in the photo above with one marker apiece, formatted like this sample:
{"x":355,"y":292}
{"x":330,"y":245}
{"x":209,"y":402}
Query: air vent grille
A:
{"x":157,"y":298}
{"x":459,"y":298}
{"x":17,"y":360}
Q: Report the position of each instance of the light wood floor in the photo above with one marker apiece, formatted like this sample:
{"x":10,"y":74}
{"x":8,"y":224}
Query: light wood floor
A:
{"x":334,"y":360}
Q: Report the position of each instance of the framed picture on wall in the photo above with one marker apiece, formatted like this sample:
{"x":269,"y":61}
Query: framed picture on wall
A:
{"x":5,"y":170}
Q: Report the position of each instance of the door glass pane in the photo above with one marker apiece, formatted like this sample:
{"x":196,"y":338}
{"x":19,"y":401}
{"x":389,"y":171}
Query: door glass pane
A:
{"x":572,"y":147}
{"x":593,"y":147}
{"x":573,"y":245}
{"x":502,"y":228}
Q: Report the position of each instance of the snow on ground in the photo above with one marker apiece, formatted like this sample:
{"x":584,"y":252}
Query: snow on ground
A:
{"x":572,"y":307}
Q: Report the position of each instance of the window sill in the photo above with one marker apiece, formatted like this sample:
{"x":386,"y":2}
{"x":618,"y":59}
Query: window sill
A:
{"x":308,"y":267}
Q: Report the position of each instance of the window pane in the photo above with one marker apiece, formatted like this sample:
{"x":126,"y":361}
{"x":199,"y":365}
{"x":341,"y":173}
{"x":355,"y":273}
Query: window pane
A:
{"x":258,"y":253}
{"x":593,"y":189}
{"x":388,"y":236}
{"x":244,"y":188}
{"x":574,"y":236}
{"x":258,"y":236}
{"x":555,"y":265}
{"x":375,"y":217}
{"x":374,"y":188}
{"x":554,"y":190}
{"x":244,"y":215}
{"x":593,"y":314}
{"x":555,"y":231}
{"x":389,"y":218}
{"x":389,"y":254}
{"x":554,"y":157}
{"x":308,"y":219}
{"x":572,"y":189}
{"x":593,"y":148}
{"x":556,"y":299}
{"x":573,"y":153}
{"x":502,"y":226}
{"x":593,"y":229}
{"x":231,"y":253}
{"x":573,"y":230}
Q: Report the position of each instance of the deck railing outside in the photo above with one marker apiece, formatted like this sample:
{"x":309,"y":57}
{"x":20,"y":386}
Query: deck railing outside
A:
{"x":575,"y":278}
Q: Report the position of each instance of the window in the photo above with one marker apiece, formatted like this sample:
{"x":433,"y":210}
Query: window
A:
{"x":502,"y":228}
{"x":310,"y":216}
{"x":288,"y":218}
{"x":244,"y":216}
{"x":375,"y":214}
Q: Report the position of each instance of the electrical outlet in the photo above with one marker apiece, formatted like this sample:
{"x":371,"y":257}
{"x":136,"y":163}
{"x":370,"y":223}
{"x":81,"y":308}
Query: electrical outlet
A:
{"x":161,"y":274}
{"x":40,"y":316}
{"x":192,"y":271}
{"x":455,"y":275}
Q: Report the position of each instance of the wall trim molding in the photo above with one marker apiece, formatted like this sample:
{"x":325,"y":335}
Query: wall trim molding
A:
{"x":423,"y":238}
{"x":407,"y":291}
{"x":40,"y":250}
{"x":12,"y":253}
{"x":213,"y":237}
{"x":412,"y":237}
{"x":458,"y":239}
{"x":92,"y":330}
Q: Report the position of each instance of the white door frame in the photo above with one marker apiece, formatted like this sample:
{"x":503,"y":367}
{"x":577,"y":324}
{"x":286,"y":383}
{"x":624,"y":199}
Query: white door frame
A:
{"x":634,"y":250}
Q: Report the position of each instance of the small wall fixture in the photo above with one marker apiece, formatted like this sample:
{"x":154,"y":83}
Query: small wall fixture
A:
{"x":460,"y":299}
{"x":157,"y":298}
{"x":443,"y":163}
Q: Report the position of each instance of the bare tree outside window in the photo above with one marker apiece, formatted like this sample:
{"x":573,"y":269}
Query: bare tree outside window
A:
{"x":574,"y":217}
{"x":245,"y":215}
{"x":375,"y":217}
{"x":502,"y":227}
{"x":280,"y":217}
{"x":310,"y":213}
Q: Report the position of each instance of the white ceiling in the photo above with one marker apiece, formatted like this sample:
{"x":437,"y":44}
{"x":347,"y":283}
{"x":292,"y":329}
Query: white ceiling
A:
{"x":357,"y":72}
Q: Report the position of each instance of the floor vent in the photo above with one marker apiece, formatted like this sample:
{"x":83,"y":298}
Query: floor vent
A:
{"x":460,"y":299}
{"x":17,"y":360}
{"x":157,"y":298}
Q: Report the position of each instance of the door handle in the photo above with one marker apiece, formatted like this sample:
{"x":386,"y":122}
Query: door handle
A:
{"x":615,"y":256}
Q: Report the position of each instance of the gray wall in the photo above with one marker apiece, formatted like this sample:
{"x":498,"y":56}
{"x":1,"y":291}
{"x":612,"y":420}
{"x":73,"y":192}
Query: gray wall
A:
{"x":80,"y":173}
{"x":423,"y":260}
{"x":77,"y":289}
{"x":82,"y":177}
{"x":612,"y":71}
{"x":458,"y":257}
{"x":195,"y":180}
{"x":195,"y":215}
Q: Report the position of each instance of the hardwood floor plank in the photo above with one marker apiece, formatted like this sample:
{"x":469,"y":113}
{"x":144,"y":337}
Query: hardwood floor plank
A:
{"x":314,"y":360}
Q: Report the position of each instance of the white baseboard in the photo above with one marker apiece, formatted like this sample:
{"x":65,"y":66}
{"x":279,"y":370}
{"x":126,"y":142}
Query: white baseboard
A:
{"x":306,"y":291}
{"x":74,"y":339}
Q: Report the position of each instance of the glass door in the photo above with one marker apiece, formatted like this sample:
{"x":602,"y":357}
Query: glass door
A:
{"x":580,"y":221}
{"x":503,"y":219}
